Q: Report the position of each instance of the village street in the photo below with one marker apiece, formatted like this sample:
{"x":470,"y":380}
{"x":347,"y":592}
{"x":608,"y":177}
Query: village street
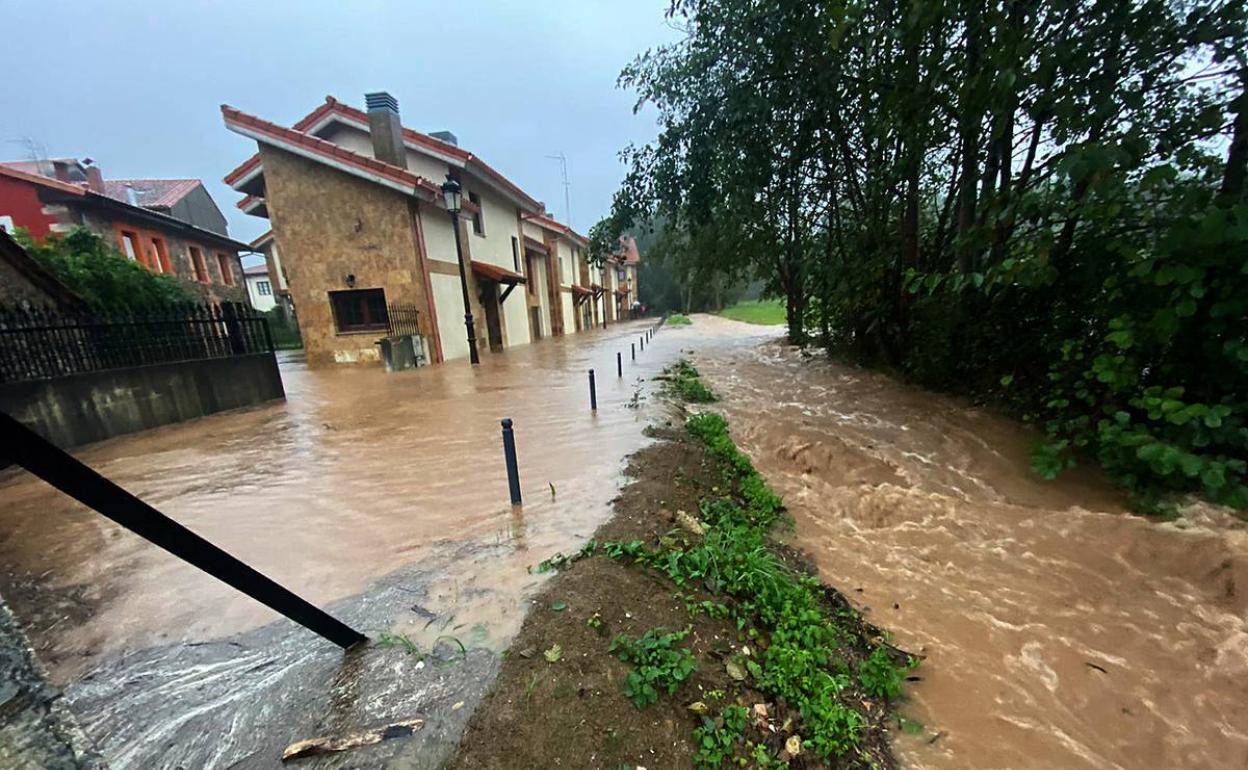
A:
{"x":1058,"y":631}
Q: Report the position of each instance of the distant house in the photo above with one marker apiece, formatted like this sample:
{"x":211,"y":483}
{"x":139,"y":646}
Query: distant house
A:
{"x":359,"y":227}
{"x":267,"y":245}
{"x":259,"y":287}
{"x":170,"y":226}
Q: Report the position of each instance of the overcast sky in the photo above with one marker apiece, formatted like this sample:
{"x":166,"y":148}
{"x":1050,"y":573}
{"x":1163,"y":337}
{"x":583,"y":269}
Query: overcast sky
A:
{"x":138,"y":85}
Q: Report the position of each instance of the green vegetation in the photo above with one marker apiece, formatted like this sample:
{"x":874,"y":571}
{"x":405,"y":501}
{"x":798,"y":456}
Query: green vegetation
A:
{"x":683,"y":380}
{"x":402,"y":641}
{"x":809,"y":653}
{"x":679,"y":319}
{"x":766,"y":312}
{"x":658,"y":664}
{"x":284,"y":330}
{"x":1040,"y":205}
{"x":96,"y":271}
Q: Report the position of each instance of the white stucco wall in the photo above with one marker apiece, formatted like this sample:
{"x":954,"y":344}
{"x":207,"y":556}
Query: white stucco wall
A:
{"x":543,"y":293}
{"x":450,"y":304}
{"x":569,"y":312}
{"x":261,"y":302}
{"x":418,"y":163}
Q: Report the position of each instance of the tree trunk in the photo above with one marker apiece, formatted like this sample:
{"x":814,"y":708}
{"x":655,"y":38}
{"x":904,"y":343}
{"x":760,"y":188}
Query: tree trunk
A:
{"x":1232,"y":188}
{"x":969,"y":119}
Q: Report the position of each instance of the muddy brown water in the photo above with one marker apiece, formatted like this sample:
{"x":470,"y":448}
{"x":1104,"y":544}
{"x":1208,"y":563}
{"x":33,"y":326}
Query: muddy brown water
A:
{"x":1059,"y":632}
{"x":356,"y":474}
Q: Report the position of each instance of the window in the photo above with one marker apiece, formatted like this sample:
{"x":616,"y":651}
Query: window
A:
{"x":130,"y":245}
{"x":158,"y":259}
{"x":264,"y":289}
{"x":227,"y":273}
{"x":6,"y":224}
{"x":198,"y":265}
{"x":361,"y":310}
{"x":478,"y":216}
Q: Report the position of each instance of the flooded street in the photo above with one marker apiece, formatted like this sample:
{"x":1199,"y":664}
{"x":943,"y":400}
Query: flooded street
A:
{"x":1059,"y":631}
{"x":357,"y":474}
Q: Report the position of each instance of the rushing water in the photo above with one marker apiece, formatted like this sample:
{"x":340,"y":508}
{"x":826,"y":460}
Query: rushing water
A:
{"x":1060,"y":632}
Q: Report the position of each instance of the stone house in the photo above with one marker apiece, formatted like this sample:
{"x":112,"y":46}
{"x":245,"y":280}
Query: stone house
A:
{"x":358,"y":226}
{"x":142,"y":217}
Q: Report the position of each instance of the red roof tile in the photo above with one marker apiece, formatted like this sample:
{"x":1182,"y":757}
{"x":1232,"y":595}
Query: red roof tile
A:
{"x":151,"y":193}
{"x":496,"y":273}
{"x":55,"y":184}
{"x":333,"y":106}
{"x":329,"y":150}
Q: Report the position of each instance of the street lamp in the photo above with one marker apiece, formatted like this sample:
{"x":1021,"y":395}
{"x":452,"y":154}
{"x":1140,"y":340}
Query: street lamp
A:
{"x":452,"y":197}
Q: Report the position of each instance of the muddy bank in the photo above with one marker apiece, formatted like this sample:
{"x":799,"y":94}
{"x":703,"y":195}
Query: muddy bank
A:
{"x":574,"y":712}
{"x":1061,"y":631}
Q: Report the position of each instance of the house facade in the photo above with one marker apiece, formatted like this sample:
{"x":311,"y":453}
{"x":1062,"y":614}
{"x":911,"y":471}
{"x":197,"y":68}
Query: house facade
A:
{"x":260,"y":291}
{"x":55,"y":196}
{"x":359,"y":231}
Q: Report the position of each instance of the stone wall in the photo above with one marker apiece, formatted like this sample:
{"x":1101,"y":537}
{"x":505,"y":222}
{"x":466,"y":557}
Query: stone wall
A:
{"x":330,"y":225}
{"x":82,"y":408}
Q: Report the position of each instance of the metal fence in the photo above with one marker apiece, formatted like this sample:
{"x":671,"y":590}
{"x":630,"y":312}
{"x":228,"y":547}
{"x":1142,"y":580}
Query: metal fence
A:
{"x":37,"y":343}
{"x":403,"y":319}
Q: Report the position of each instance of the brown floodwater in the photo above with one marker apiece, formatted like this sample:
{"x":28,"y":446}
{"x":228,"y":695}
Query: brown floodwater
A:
{"x":356,"y":474}
{"x":1059,"y":631}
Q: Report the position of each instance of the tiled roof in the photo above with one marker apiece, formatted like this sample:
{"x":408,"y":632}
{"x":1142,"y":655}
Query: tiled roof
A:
{"x":261,"y":269}
{"x":555,"y":226}
{"x":329,"y":152}
{"x":11,"y":172}
{"x":151,"y":193}
{"x":333,"y":106}
{"x":496,"y":273}
{"x":259,"y":243}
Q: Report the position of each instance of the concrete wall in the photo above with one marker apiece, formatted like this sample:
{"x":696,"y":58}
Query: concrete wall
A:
{"x":331,"y":225}
{"x":82,"y":408}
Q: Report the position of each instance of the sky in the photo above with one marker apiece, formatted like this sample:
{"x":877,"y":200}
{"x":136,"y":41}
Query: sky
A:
{"x":137,"y":85}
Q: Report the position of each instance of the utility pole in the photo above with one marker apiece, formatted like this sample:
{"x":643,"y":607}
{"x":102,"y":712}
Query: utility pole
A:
{"x":567,"y":193}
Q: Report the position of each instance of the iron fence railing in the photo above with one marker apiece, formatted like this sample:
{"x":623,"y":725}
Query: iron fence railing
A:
{"x":37,"y":343}
{"x":404,"y":319}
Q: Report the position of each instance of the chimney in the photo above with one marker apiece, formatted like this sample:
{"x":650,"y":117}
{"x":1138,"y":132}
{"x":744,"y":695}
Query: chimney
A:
{"x":95,"y":178}
{"x":132,"y":197}
{"x":386,"y":131}
{"x":446,"y":136}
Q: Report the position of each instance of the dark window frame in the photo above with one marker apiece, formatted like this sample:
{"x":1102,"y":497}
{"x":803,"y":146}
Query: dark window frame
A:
{"x":359,"y":311}
{"x":478,"y":216}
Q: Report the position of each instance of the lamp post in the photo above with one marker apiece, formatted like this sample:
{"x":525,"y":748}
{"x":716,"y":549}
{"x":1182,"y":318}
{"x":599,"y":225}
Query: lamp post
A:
{"x":451,"y":196}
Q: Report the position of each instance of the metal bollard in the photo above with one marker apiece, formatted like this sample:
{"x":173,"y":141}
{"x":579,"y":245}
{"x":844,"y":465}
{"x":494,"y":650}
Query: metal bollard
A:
{"x":633,"y":347}
{"x":643,"y":344}
{"x":619,"y":364}
{"x":593,"y":393}
{"x":509,"y":455}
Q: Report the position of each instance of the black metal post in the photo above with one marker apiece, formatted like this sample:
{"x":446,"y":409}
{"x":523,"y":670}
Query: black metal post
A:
{"x":509,"y":455}
{"x":24,"y":447}
{"x":463,"y":287}
{"x":633,"y":347}
{"x":643,"y":344}
{"x":619,"y":364}
{"x":593,"y":393}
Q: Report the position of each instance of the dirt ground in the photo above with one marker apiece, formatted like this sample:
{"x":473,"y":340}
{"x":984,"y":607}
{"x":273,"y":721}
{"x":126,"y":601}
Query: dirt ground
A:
{"x":572,"y":713}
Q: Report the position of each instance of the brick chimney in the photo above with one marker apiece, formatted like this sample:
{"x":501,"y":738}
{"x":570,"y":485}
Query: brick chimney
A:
{"x":387,"y":132}
{"x":95,"y":177}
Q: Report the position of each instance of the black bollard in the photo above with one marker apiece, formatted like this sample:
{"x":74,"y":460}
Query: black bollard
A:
{"x":619,"y":364}
{"x":593,"y":393}
{"x":633,"y":347}
{"x":643,"y":344}
{"x":509,"y":455}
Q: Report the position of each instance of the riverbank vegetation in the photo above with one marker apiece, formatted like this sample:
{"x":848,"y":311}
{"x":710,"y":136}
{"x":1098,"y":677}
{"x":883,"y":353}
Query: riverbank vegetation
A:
{"x":688,"y":637}
{"x":96,"y":271}
{"x":1037,"y":204}
{"x":765,"y":312}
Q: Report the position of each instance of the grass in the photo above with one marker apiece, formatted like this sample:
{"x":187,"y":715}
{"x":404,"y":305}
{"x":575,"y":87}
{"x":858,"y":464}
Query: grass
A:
{"x":812,"y":654}
{"x":684,"y":381}
{"x":765,"y":312}
{"x":676,"y":319}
